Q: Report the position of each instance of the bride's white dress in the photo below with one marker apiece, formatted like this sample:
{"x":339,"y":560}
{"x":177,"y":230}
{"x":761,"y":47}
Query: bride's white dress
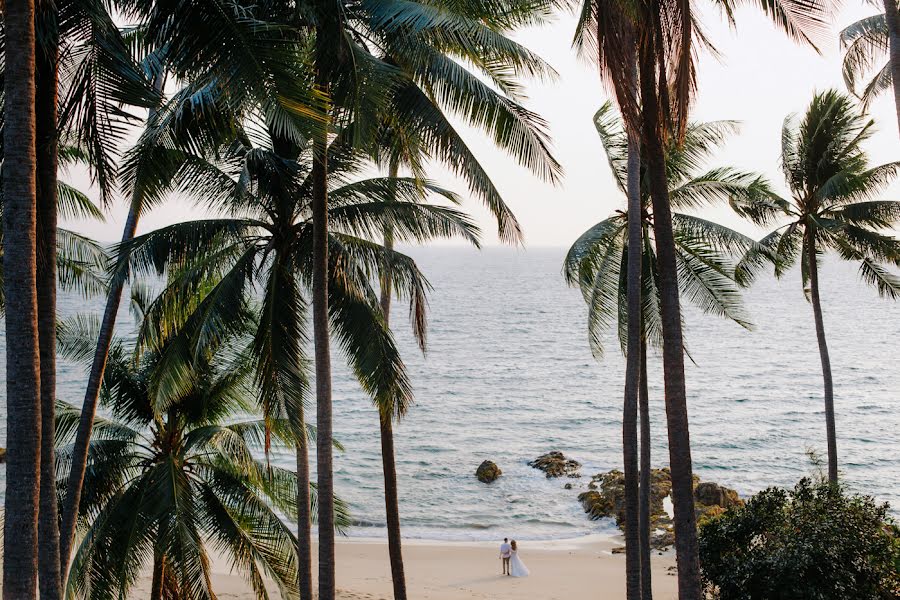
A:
{"x":516,"y":567}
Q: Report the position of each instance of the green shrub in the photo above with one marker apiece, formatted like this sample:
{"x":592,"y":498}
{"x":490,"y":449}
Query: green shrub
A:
{"x":814,"y":542}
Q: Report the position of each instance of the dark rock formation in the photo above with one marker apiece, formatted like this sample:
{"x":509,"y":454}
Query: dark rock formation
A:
{"x":606,"y":498}
{"x":487,"y":472}
{"x":555,"y":464}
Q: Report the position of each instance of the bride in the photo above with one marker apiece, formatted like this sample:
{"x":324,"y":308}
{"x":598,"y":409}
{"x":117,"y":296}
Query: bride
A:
{"x":516,"y":567}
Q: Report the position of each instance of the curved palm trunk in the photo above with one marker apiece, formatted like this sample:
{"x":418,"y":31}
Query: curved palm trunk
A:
{"x":893,"y":22}
{"x":687,"y":551}
{"x":46,"y":127}
{"x":646,"y":465}
{"x":388,"y":462}
{"x":632,"y":376}
{"x":72,"y":499}
{"x":324,"y":457}
{"x":23,"y":387}
{"x":830,"y":427}
{"x":304,"y":522}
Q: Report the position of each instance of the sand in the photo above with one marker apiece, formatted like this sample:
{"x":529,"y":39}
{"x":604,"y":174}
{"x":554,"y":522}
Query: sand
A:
{"x":560,"y":570}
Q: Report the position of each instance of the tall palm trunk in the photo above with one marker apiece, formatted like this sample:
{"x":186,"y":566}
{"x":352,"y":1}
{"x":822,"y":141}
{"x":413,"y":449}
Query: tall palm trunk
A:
{"x":46,"y":130}
{"x":830,"y":428}
{"x":158,"y":577}
{"x":632,"y":374}
{"x":646,"y":466}
{"x":893,"y":23}
{"x":80,"y":448}
{"x":23,"y":386}
{"x":304,"y":522}
{"x":324,"y":458}
{"x":388,"y":462}
{"x":686,"y":548}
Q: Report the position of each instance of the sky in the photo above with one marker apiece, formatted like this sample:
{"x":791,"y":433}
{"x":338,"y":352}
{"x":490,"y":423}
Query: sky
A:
{"x":759,"y":78}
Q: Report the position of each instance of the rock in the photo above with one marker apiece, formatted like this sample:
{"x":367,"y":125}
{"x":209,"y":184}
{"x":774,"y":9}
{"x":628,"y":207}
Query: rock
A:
{"x":662,"y":539}
{"x":606,"y":498}
{"x":2,"y":455}
{"x":713,"y":494}
{"x":488,"y":472}
{"x":568,"y":486}
{"x":555,"y":464}
{"x":618,"y":550}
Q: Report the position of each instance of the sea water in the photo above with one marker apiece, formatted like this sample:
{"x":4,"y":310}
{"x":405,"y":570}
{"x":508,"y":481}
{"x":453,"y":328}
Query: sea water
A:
{"x":509,"y":375}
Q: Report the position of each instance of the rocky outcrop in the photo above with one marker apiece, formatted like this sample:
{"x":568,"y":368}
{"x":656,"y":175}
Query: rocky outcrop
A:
{"x":2,"y":455}
{"x":605,"y":498}
{"x":555,"y":464}
{"x":488,"y":472}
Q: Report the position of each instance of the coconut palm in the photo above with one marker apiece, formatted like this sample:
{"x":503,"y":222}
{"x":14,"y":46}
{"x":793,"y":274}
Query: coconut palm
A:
{"x":227,"y":56}
{"x":19,"y":255}
{"x":599,"y":263}
{"x":655,"y":98}
{"x":831,"y":208}
{"x":351,"y":41}
{"x":865,"y":44}
{"x":265,"y":241}
{"x":399,"y":144}
{"x":181,"y":472}
{"x":84,"y":73}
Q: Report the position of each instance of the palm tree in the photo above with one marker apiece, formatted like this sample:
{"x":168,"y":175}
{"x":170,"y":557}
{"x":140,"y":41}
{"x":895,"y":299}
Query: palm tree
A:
{"x":600,"y":263}
{"x":400,"y":144}
{"x":228,"y":57}
{"x":831,"y":183}
{"x":19,"y":272}
{"x":267,"y":197}
{"x":180,"y":471}
{"x":351,"y":41}
{"x":865,"y":43}
{"x":86,"y":105}
{"x":661,"y":36}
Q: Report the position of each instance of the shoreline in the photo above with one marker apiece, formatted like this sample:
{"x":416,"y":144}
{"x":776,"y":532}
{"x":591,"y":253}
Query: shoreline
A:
{"x":439,"y":570}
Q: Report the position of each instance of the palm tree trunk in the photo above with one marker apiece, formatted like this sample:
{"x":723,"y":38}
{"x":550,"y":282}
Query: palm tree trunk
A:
{"x":324,"y":458}
{"x":646,"y":466}
{"x":893,"y":22}
{"x":72,"y":499}
{"x":304,"y":522}
{"x":388,"y":461}
{"x":830,"y":428}
{"x":23,"y":387}
{"x":686,"y":548}
{"x":158,"y":578}
{"x":632,"y":375}
{"x":46,"y":130}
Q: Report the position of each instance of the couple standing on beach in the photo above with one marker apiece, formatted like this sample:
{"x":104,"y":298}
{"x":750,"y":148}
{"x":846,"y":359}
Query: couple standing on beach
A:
{"x":512,"y":564}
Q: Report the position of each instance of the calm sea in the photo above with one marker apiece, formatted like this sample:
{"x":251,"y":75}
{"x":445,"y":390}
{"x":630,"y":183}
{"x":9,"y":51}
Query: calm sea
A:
{"x":509,"y":376}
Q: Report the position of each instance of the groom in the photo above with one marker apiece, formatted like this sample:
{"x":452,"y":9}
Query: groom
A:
{"x":505,"y":553}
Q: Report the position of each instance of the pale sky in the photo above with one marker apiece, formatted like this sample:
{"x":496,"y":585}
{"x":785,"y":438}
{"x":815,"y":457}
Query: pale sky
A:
{"x":761,"y":77}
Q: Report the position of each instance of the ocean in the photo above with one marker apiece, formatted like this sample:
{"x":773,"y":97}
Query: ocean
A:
{"x":509,"y":375}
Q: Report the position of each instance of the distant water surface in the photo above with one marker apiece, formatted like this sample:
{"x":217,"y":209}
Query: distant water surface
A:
{"x":509,"y":376}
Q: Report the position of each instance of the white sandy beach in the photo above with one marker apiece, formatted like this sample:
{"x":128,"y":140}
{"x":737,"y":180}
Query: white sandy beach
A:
{"x":560,"y":570}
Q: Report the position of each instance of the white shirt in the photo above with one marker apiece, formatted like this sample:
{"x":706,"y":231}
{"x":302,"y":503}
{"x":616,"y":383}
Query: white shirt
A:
{"x":505,"y":550}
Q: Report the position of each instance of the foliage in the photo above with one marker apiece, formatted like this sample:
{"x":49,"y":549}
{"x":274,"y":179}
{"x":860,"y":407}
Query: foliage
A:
{"x":164,"y":486}
{"x":597,"y":261}
{"x":833,"y":202}
{"x":813,"y":542}
{"x":866,"y":68}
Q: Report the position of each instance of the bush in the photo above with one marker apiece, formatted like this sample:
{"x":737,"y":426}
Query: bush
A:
{"x":812,"y":542}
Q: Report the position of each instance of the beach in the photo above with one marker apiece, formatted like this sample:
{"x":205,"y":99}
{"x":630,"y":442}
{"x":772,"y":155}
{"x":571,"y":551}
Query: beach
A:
{"x":435,"y":570}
